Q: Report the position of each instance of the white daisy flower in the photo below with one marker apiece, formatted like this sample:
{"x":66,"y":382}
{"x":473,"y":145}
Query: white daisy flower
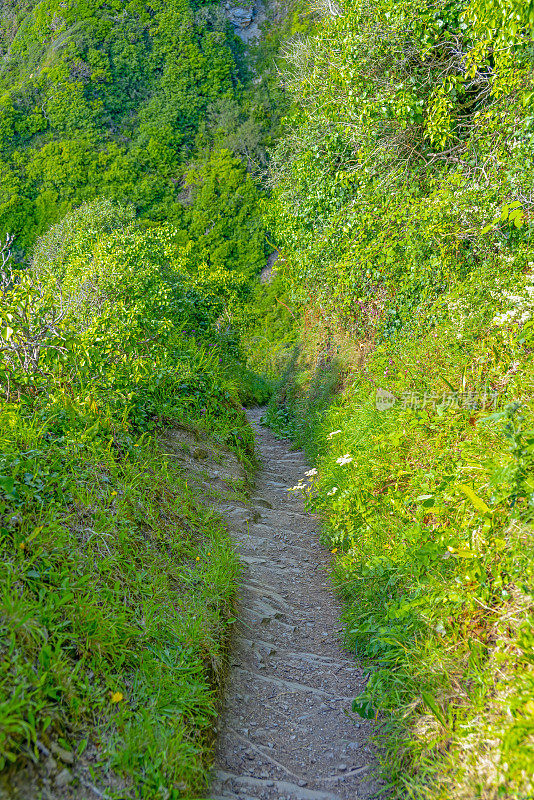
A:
{"x":333,"y":433}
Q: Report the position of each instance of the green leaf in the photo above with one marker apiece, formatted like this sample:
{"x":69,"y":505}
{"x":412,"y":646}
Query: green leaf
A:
{"x":477,"y":502}
{"x":7,"y":484}
{"x":463,"y":552}
{"x":451,"y":387}
{"x":364,"y":708}
{"x":432,"y":704}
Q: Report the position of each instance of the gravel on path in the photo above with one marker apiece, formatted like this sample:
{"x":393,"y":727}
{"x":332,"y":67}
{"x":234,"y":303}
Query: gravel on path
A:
{"x":287,"y":731}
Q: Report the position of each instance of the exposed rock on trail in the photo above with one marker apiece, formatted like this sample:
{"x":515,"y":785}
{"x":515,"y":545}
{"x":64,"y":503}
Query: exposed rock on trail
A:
{"x":246,"y":19}
{"x":239,"y":16}
{"x":288,"y":730}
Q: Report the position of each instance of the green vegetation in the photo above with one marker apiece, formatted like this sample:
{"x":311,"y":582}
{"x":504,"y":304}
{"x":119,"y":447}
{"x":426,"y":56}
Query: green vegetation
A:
{"x":398,"y":327}
{"x":114,"y":99}
{"x":408,"y":260}
{"x":117,"y":587}
{"x":428,"y":510}
{"x":117,"y":584}
{"x":128,"y":128}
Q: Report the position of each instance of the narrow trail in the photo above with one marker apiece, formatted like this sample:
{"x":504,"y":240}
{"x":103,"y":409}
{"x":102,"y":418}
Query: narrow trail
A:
{"x":287,"y":732}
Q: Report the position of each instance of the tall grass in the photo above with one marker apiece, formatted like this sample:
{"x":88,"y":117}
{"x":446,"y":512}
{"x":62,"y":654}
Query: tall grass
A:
{"x":427,"y":496}
{"x":116,"y":582}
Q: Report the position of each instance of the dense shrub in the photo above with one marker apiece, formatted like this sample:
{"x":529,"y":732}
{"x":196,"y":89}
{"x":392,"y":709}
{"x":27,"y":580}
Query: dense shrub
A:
{"x":116,"y":582}
{"x":408,"y":254}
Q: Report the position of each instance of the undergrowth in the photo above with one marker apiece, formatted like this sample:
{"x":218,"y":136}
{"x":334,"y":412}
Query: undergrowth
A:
{"x":402,"y":211}
{"x":116,"y":582}
{"x":426,"y":488}
{"x":117,"y":587}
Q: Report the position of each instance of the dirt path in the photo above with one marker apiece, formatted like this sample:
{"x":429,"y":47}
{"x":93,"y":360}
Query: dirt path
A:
{"x":287,"y":731}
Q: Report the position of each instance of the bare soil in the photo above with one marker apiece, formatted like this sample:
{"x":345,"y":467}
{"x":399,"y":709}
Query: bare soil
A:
{"x":287,"y":731}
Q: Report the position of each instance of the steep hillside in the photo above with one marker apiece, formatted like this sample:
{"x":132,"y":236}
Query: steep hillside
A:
{"x":136,"y":144}
{"x":402,"y":319}
{"x":131,"y":231}
{"x":116,"y":99}
{"x":117,"y":575}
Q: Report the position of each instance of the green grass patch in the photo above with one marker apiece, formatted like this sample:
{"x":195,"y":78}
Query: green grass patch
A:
{"x":426,"y":492}
{"x":117,"y":586}
{"x":427,"y":497}
{"x":116,"y":581}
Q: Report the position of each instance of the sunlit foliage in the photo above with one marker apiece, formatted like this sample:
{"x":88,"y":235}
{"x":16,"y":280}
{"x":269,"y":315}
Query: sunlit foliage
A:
{"x":104,"y":98}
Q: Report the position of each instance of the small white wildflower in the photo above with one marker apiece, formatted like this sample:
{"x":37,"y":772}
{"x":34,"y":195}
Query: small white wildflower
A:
{"x":310,"y":473}
{"x":332,"y":491}
{"x":333,"y":433}
{"x":298,"y":487}
{"x":346,"y":459}
{"x":522,"y":306}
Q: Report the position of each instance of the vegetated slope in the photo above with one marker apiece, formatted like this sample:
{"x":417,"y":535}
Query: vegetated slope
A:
{"x":402,"y":210}
{"x":116,"y":99}
{"x":116,"y":582}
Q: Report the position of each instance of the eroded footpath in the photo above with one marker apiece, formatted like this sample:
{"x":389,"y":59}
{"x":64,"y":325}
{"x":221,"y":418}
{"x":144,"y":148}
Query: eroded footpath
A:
{"x":287,"y":731}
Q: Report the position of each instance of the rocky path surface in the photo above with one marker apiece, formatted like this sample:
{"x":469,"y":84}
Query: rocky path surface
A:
{"x":287,"y":732}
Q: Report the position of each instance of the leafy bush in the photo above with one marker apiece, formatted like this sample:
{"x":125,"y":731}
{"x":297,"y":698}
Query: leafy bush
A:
{"x":116,"y":583}
{"x":405,"y":168}
{"x":408,"y":256}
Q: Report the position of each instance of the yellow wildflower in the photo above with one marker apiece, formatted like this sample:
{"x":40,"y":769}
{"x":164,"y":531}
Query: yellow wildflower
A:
{"x":334,"y":550}
{"x":198,"y":558}
{"x":116,"y":697}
